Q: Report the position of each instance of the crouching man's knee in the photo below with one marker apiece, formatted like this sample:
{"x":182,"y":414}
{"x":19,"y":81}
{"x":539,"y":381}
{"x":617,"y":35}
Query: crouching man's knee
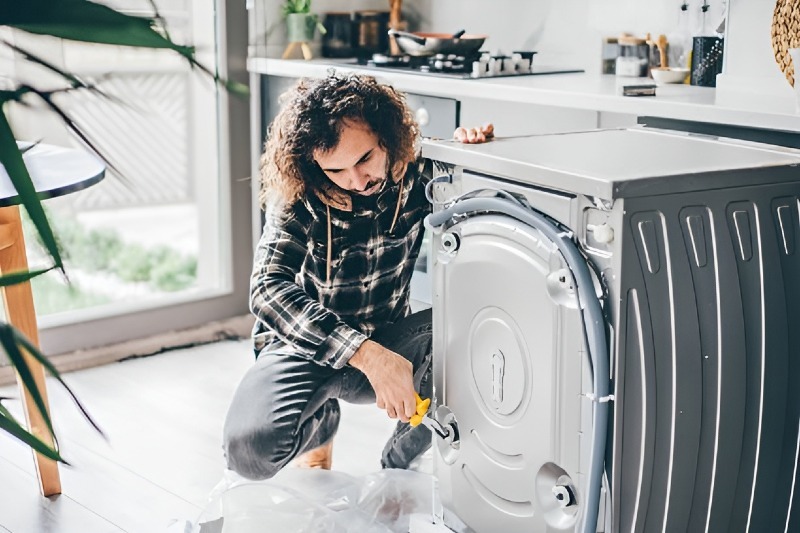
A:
{"x":256,"y":454}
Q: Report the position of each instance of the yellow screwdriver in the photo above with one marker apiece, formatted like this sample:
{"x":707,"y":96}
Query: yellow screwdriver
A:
{"x":422,"y":408}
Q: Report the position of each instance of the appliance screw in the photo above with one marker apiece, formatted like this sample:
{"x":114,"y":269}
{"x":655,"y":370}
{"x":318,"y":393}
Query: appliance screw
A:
{"x":450,"y":242}
{"x":564,"y":495}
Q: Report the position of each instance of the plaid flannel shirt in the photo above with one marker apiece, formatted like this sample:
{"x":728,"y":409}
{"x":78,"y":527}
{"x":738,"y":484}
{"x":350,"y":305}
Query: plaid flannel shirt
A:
{"x":298,"y":311}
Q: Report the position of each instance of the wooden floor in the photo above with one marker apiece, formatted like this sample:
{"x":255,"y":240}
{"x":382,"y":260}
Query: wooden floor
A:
{"x":163,"y":416}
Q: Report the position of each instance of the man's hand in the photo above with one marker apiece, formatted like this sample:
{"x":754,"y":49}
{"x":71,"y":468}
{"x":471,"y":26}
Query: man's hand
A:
{"x":390,"y":375}
{"x":474,"y":135}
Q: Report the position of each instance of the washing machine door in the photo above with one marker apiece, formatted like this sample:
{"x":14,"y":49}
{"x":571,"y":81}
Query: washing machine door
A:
{"x":509,"y":370}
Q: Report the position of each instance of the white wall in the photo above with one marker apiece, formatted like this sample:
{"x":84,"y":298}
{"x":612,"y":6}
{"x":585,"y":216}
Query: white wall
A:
{"x":564,"y":32}
{"x":750,"y":66}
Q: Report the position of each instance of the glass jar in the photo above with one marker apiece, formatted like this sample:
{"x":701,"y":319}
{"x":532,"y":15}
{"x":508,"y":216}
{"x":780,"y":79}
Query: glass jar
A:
{"x":338,"y":39}
{"x":371,"y":33}
{"x":634,"y":57}
{"x":610,"y":53}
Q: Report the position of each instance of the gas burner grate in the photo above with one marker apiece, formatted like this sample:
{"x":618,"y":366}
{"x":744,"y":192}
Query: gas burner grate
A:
{"x":479,"y":65}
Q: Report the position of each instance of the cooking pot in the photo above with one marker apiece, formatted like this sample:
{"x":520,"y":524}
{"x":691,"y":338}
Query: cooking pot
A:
{"x":428,"y":44}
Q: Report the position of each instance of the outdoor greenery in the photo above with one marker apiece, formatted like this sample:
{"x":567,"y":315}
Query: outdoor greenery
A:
{"x":103,"y":250}
{"x":77,"y":20}
{"x":50,"y":295}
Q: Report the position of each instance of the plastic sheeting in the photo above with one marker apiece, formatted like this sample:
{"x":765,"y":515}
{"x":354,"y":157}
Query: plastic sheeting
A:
{"x":308,"y":500}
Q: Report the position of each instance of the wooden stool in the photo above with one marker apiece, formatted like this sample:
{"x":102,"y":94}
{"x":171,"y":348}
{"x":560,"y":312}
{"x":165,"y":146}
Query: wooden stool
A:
{"x":303,"y":46}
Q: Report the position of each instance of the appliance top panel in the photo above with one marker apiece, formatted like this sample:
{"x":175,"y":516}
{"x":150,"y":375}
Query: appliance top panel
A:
{"x":618,"y":163}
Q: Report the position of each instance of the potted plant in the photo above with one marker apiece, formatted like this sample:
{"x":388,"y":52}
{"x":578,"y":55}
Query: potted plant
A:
{"x":300,"y":21}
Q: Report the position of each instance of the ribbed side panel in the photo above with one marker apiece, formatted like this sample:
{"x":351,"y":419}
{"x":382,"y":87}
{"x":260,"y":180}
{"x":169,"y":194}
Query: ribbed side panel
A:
{"x":710,"y":353}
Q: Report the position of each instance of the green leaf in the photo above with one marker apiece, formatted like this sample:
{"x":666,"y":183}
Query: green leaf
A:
{"x":77,"y":130}
{"x":24,"y":275}
{"x":33,"y":58}
{"x":3,"y":411}
{"x":15,"y":429}
{"x":29,"y":147}
{"x":239,"y":89}
{"x":36,"y":354}
{"x":81,"y":20}
{"x":15,"y":356}
{"x":11,"y":158}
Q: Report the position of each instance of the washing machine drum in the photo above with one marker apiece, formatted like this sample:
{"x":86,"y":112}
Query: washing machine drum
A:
{"x":509,"y":343}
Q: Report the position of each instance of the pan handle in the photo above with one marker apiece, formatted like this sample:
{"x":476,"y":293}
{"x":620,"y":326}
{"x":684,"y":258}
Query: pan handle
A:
{"x":416,"y":38}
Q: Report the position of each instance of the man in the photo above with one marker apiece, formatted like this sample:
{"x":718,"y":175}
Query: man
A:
{"x":344,"y":199}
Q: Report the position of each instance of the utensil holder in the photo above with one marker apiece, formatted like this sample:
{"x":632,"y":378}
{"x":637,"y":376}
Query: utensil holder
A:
{"x":706,"y":60}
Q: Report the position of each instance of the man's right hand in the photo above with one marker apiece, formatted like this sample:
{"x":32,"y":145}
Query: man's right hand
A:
{"x":391,"y":376}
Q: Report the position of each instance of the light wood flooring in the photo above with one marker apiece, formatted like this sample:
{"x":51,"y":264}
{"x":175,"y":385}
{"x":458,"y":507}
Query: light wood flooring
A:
{"x":163,"y":416}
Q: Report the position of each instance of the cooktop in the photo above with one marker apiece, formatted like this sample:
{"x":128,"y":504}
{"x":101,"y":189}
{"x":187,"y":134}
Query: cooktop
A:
{"x":483,"y":65}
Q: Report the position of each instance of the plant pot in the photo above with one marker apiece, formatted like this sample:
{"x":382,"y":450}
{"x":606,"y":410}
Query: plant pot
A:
{"x":300,"y":27}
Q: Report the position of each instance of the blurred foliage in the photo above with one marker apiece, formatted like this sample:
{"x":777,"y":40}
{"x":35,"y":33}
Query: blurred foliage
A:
{"x":103,"y":250}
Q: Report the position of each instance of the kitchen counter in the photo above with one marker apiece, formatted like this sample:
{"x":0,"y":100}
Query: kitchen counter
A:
{"x":577,"y":91}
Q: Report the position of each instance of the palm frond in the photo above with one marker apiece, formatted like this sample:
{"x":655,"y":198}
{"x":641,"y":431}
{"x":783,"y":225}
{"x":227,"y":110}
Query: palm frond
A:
{"x":11,"y":159}
{"x":39,"y":356}
{"x":11,"y":426}
{"x":15,"y":356}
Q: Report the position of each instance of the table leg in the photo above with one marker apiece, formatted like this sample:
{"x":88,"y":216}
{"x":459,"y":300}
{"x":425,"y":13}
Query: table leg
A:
{"x":18,"y":301}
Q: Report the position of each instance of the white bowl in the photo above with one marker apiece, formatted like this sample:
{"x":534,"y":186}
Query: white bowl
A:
{"x":669,"y":75}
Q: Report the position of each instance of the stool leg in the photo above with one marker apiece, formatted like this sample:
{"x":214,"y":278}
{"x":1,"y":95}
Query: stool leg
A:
{"x":287,"y":54}
{"x":20,"y":312}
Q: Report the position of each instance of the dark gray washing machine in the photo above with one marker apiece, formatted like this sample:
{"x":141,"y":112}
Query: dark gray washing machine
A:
{"x":617,"y":334}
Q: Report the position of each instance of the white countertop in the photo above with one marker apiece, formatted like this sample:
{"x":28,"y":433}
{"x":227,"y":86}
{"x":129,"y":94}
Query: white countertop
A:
{"x":577,"y":91}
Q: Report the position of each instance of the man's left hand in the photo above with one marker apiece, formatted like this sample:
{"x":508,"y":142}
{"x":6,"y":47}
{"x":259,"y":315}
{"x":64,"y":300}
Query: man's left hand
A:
{"x":474,"y":135}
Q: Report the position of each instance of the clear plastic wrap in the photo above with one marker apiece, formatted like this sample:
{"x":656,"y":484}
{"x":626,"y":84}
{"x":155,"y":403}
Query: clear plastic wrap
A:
{"x":309,"y":500}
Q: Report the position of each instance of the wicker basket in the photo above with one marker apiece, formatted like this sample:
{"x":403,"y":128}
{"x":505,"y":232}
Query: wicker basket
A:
{"x":786,"y":34}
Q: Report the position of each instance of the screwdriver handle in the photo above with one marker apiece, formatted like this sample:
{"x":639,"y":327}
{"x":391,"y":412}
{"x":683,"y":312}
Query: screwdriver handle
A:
{"x":422,"y":408}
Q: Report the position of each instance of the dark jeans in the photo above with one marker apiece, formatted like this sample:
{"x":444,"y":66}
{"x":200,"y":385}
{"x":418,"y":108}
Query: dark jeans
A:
{"x":287,"y":405}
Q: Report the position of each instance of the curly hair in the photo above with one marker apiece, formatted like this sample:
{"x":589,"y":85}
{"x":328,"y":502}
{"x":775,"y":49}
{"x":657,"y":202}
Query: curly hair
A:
{"x":312,"y":117}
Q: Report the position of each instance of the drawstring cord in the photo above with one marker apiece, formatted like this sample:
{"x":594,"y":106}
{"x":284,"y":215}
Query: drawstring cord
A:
{"x":330,"y":244}
{"x":397,"y":207}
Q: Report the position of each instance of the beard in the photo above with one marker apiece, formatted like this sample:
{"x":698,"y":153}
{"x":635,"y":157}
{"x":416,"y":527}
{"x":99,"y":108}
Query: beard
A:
{"x":378,"y":184}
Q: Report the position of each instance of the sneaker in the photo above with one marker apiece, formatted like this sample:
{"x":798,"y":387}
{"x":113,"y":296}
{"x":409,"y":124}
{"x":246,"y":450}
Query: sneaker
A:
{"x":321,"y":457}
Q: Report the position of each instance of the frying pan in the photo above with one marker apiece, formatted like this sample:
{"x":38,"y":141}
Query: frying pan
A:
{"x":427,"y":44}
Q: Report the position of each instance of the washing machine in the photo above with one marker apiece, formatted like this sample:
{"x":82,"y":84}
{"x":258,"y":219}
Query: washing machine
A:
{"x":616,"y":333}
